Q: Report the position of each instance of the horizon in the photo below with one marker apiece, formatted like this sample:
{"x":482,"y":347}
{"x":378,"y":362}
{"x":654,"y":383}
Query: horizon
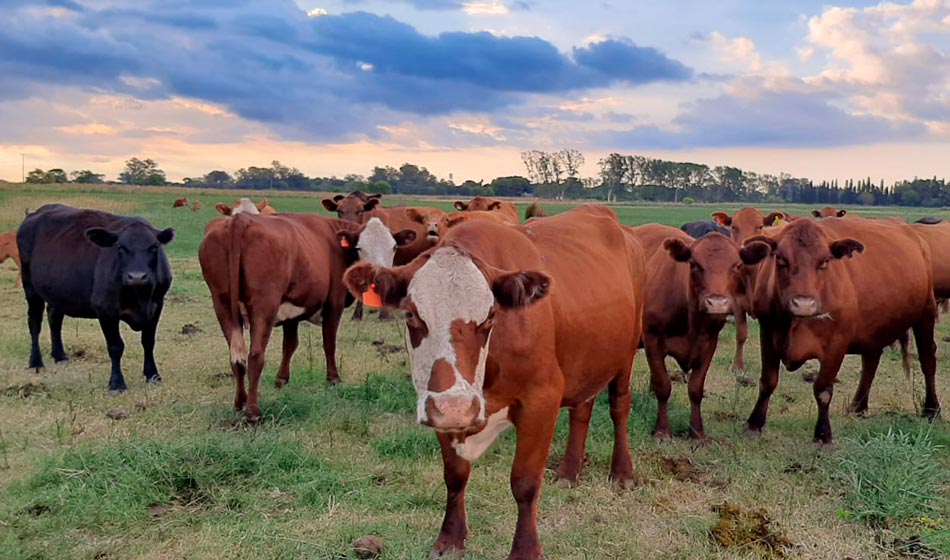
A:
{"x":834,"y":91}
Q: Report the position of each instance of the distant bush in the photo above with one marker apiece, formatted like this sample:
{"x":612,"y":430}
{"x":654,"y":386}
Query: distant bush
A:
{"x":689,"y":200}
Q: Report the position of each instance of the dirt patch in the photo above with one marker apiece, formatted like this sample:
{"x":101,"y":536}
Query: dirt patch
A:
{"x":368,"y":547}
{"x":748,"y":531}
{"x":190,"y":329}
{"x":680,"y":468}
{"x":387,"y":349}
{"x":26,"y":390}
{"x":117,"y":414}
{"x":725,"y":416}
{"x":35,"y":510}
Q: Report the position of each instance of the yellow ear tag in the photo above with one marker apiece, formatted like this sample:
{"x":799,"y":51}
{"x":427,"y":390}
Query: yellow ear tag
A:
{"x":777,"y":222}
{"x":371,"y":297}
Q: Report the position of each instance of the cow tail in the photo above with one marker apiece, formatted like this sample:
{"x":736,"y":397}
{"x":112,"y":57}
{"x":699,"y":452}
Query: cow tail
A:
{"x":238,"y":226}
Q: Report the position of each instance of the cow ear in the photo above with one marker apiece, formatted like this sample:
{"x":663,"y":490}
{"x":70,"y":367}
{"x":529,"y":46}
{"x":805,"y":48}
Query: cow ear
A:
{"x":753,"y":253}
{"x":722,"y":218}
{"x":495,"y":205}
{"x":348,"y":239}
{"x":816,"y":213}
{"x":841,"y":213}
{"x":845,"y":248}
{"x":223,"y":208}
{"x":262,"y":204}
{"x":770,"y":220}
{"x":451,"y":221}
{"x":460,"y":206}
{"x":366,"y":277}
{"x":370,"y":204}
{"x":415,"y":215}
{"x":519,"y":289}
{"x":404,"y":237}
{"x":330,"y":205}
{"x":763,"y":239}
{"x":338,"y":198}
{"x":166,"y":235}
{"x":678,"y":250}
{"x":101,"y":237}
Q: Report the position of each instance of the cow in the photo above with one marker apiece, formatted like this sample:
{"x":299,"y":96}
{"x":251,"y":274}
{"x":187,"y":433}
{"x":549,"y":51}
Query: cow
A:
{"x":283,"y":270}
{"x":703,"y":228}
{"x":481,"y":203}
{"x":180,"y":203}
{"x":353,"y":206}
{"x":94,"y":265}
{"x":692,"y":286}
{"x":9,"y":250}
{"x":534,"y":210}
{"x":814,"y":301}
{"x":505,"y":325}
{"x":937,"y":236}
{"x":928,"y":220}
{"x":432,"y":219}
{"x":196,"y":206}
{"x":246,"y":206}
{"x":829,"y":212}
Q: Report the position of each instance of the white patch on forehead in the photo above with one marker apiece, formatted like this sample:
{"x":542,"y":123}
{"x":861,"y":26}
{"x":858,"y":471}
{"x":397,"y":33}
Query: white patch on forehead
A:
{"x":245,"y":206}
{"x":448,"y":288}
{"x":474,"y":446}
{"x":377,"y":244}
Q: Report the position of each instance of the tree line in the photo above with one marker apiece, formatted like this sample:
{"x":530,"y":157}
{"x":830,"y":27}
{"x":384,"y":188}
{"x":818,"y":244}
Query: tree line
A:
{"x":555,"y":175}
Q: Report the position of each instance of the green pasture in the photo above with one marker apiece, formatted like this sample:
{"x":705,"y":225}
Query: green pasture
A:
{"x":183,"y":477}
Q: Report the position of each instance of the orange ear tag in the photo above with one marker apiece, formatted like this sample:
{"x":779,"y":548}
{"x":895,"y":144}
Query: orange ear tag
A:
{"x":371,"y":297}
{"x":345,"y":243}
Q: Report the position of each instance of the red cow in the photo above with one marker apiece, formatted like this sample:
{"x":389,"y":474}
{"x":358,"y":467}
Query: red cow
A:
{"x":481,"y":203}
{"x":180,"y":203}
{"x":9,"y":250}
{"x":829,"y":212}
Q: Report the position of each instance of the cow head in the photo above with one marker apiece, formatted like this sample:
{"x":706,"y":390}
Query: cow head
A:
{"x":802,"y":256}
{"x":375,"y":243}
{"x":352,"y":206}
{"x":478,"y":203}
{"x":137,"y":249}
{"x":829,"y":212}
{"x":746,"y":222}
{"x":432,"y":219}
{"x":715,"y":269}
{"x":243,"y":206}
{"x":450,"y":301}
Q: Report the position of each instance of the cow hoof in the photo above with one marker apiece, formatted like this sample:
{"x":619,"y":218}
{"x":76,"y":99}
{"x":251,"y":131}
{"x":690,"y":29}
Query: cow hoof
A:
{"x":155,"y":379}
{"x":662,"y":437}
{"x":333,"y":380}
{"x":823,"y":442}
{"x":279,"y":383}
{"x":931,"y":413}
{"x":752,"y":432}
{"x":450,"y":554}
{"x":116,"y":391}
{"x":625,"y":482}
{"x":858,"y":411}
{"x":565,"y":483}
{"x":60,"y":359}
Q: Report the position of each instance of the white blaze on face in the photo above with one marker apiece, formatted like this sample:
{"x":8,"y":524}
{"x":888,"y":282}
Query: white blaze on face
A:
{"x":377,"y":244}
{"x":448,"y":288}
{"x":245,"y":206}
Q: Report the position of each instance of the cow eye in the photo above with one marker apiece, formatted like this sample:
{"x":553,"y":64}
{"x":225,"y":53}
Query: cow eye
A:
{"x":693,"y":265}
{"x":781,"y":262}
{"x":410,"y":316}
{"x":823,"y":264}
{"x":120,"y":248}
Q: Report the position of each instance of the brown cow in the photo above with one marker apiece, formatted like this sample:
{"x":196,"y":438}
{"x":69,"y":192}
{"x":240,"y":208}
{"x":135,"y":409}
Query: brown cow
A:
{"x":196,"y":206}
{"x":534,"y":210}
{"x":484,"y":204}
{"x":813,"y":303}
{"x":180,"y":203}
{"x":692,"y":286}
{"x":505,"y":326}
{"x":937,"y":237}
{"x":9,"y":250}
{"x":829,"y":212}
{"x":246,"y":206}
{"x":282,"y":270}
{"x":432,"y":219}
{"x":353,"y":206}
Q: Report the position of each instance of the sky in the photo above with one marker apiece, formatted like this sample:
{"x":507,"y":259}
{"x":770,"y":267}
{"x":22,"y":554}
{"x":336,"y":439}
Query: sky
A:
{"x":462,"y":87}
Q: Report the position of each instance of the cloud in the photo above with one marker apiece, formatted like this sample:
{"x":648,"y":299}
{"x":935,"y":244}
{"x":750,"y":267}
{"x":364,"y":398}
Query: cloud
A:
{"x":625,"y":61}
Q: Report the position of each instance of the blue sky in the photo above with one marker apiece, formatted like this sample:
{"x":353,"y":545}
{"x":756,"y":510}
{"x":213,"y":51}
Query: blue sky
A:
{"x":827,"y":90}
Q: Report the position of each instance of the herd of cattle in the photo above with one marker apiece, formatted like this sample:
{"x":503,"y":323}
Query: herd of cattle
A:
{"x":508,"y":322}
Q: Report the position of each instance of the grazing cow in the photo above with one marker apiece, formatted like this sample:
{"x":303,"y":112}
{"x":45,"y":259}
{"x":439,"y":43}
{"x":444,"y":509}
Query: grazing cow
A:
{"x":534,"y":210}
{"x":814,"y":302}
{"x":505,"y":326}
{"x":692,"y":286}
{"x":829,"y":212}
{"x":9,"y":250}
{"x":484,"y":204}
{"x":94,"y":265}
{"x":180,"y":203}
{"x":703,"y":228}
{"x":246,"y":206}
{"x":282,"y":270}
{"x":432,"y":219}
{"x":196,"y":206}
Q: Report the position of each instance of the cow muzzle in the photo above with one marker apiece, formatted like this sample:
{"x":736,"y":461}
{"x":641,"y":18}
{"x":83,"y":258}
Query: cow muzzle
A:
{"x":135,"y":279}
{"x":432,"y":233}
{"x":717,"y":305}
{"x":803,"y":306}
{"x":453,"y":413}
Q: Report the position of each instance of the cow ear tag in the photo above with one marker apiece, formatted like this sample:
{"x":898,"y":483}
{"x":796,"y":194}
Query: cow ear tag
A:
{"x":371,"y":297}
{"x":345,"y":243}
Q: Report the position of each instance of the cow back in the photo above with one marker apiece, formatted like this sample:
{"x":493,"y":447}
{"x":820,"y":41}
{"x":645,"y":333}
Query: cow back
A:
{"x":937,"y":236}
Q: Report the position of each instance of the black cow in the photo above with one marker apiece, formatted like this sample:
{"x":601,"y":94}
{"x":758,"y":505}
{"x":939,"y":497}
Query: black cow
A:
{"x":94,"y":265}
{"x":704,"y":228}
{"x":929,"y":220}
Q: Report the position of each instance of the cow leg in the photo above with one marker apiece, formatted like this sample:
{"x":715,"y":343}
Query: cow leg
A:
{"x":358,"y":311}
{"x":621,"y":466}
{"x":56,"y":334}
{"x":455,"y":471}
{"x":261,"y":329}
{"x":384,"y":314}
{"x":234,"y":334}
{"x":573,"y":462}
{"x":291,"y":341}
{"x":869,"y":363}
{"x":35,"y":321}
{"x":661,"y":384}
{"x":535,"y":424}
{"x":330,"y":325}
{"x":927,"y":353}
{"x":110,"y":329}
{"x":697,"y":386}
{"x":824,"y":389}
{"x":150,"y":370}
{"x":742,"y":334}
{"x":767,"y":382}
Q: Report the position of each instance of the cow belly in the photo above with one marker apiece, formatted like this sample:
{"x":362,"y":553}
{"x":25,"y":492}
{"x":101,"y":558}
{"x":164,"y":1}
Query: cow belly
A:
{"x":474,"y":446}
{"x":288,"y":311}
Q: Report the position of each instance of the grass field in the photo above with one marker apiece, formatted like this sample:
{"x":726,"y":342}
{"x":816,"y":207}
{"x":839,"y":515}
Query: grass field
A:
{"x":181,"y":477}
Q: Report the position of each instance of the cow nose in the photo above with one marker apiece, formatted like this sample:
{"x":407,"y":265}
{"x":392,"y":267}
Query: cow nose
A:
{"x":717,"y":305}
{"x":803,"y":306}
{"x":454,"y":413}
{"x":135,"y":278}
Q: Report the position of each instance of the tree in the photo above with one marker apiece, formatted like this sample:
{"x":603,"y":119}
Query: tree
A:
{"x":36,"y":176}
{"x":218,"y":179}
{"x":573,"y":160}
{"x":139,"y":172}
{"x":56,"y":175}
{"x":86,"y":177}
{"x":612,"y":170}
